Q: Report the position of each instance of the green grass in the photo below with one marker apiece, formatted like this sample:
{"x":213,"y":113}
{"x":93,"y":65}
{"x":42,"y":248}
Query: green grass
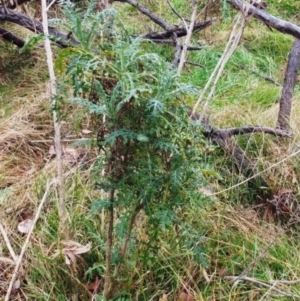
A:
{"x":234,"y":235}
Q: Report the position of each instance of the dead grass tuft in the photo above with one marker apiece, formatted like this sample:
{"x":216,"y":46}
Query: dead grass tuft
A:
{"x":20,"y":155}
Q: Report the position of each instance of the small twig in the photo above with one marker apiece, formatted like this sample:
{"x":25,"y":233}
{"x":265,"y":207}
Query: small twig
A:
{"x":8,"y":245}
{"x":172,"y":43}
{"x":261,"y":283}
{"x":188,"y":38}
{"x":177,"y":13}
{"x":63,"y":140}
{"x":25,"y":245}
{"x":254,"y":129}
{"x":144,"y":10}
{"x":267,"y":78}
{"x":234,"y":38}
{"x":180,"y":30}
{"x":7,"y":260}
{"x":287,"y":281}
{"x":257,"y":174}
{"x":194,"y":64}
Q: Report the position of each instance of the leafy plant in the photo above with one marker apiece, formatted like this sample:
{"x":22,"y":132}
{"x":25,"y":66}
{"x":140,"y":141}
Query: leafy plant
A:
{"x":151,"y":151}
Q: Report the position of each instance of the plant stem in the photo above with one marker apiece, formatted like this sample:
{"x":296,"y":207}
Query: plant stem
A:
{"x":108,"y":280}
{"x":57,"y":126}
{"x":127,"y":237}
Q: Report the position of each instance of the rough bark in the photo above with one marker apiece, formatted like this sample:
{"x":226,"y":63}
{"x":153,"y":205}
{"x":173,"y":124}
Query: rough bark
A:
{"x":285,"y":106}
{"x":262,"y":15}
{"x":180,"y":30}
{"x":36,"y":26}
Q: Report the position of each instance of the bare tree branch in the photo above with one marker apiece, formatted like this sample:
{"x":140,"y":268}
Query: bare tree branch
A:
{"x":267,"y":78}
{"x":36,"y":26}
{"x":180,"y":30}
{"x":144,"y":10}
{"x":262,"y":15}
{"x":255,"y":129}
{"x":172,"y":43}
{"x":194,"y":64}
{"x":177,"y":13}
{"x":290,"y":79}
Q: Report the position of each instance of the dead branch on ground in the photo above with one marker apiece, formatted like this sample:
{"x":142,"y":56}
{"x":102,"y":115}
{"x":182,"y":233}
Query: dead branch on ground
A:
{"x":262,"y":283}
{"x":60,"y":38}
{"x":262,"y":15}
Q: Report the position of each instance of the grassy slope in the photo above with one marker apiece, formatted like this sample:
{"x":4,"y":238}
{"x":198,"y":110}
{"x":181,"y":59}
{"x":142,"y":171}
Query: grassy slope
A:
{"x":237,"y":237}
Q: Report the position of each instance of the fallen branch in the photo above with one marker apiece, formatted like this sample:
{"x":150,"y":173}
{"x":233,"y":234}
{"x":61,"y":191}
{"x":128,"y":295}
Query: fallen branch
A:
{"x":267,"y":78}
{"x":261,"y":283}
{"x":10,"y":37}
{"x":25,"y":245}
{"x":177,"y":13}
{"x":180,"y":30}
{"x":224,"y":140}
{"x":173,"y":43}
{"x":262,"y":15}
{"x":147,"y":12}
{"x":194,"y":64}
{"x":254,"y":129}
{"x":36,"y":26}
{"x":8,"y":245}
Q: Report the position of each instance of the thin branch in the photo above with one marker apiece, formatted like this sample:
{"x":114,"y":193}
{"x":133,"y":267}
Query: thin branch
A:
{"x":262,"y":15}
{"x":188,"y":38}
{"x":10,"y":37}
{"x":261,"y":283}
{"x":57,"y":127}
{"x":194,"y":64}
{"x":172,"y":43}
{"x":177,"y":13}
{"x":234,"y":38}
{"x":267,"y":78}
{"x":296,"y":153}
{"x":25,"y":245}
{"x":180,"y":30}
{"x":8,"y":245}
{"x":36,"y":26}
{"x":255,"y":129}
{"x":144,"y":10}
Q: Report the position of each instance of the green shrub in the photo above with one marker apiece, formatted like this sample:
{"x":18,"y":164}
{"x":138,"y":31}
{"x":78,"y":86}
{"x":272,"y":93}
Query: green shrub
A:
{"x":151,"y":153}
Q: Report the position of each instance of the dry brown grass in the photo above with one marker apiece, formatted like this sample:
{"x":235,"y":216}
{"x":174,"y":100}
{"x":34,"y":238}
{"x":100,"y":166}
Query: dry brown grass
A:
{"x":20,"y":155}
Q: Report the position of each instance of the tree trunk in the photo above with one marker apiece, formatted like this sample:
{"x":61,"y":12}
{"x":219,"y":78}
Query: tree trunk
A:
{"x":288,"y":87}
